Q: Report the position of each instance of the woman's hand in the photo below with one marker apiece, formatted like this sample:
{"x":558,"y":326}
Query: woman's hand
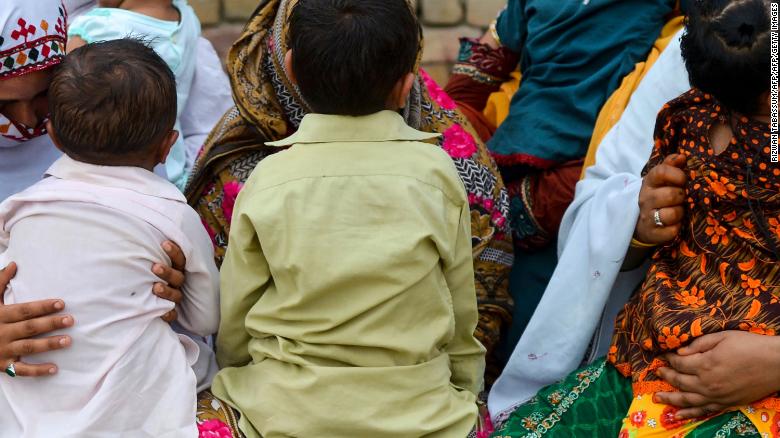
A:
{"x":173,"y":277}
{"x":21,"y":322}
{"x":722,"y":370}
{"x":663,"y":190}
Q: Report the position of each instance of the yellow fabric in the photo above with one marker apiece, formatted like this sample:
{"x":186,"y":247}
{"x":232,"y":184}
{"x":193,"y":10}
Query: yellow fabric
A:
{"x":497,"y":108}
{"x":613,"y":109}
{"x":348,"y":298}
{"x":647,"y":419}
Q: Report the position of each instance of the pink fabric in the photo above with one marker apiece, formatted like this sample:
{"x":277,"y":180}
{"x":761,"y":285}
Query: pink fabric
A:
{"x":458,"y":143}
{"x":214,"y":429}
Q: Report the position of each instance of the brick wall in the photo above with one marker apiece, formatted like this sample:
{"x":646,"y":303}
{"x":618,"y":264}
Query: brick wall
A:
{"x":444,"y":21}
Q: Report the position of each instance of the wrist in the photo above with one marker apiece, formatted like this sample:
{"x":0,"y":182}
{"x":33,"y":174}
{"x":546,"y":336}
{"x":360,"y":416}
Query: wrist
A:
{"x":774,"y":364}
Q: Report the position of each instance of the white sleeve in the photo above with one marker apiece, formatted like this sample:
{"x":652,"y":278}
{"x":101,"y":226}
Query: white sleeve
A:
{"x":209,"y":99}
{"x":199,"y":308}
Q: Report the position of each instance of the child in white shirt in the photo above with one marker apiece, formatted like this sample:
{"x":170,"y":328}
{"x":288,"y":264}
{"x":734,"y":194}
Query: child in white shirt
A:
{"x":171,"y":28}
{"x":93,"y":228}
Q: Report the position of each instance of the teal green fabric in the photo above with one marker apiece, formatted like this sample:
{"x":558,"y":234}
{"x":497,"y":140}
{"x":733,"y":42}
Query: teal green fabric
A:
{"x":592,"y":402}
{"x":574,"y":55}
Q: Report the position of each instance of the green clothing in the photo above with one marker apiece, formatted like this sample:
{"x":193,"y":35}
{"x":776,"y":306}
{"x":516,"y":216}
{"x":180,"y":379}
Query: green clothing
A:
{"x":592,"y":402}
{"x":348,"y":301}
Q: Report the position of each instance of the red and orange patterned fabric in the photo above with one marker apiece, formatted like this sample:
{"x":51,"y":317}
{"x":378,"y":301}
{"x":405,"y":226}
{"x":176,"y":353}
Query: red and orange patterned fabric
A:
{"x":723,"y":272}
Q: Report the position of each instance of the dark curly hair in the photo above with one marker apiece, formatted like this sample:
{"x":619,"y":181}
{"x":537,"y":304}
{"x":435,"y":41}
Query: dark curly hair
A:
{"x":112,"y":102}
{"x":726,"y":50}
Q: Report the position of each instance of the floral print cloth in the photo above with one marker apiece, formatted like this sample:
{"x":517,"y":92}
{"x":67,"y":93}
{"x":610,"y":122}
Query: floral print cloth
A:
{"x":647,"y":419}
{"x":722,"y":272}
{"x":593,"y":401}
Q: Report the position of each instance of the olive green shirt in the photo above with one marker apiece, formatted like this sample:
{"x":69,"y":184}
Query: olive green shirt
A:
{"x":348,"y":302}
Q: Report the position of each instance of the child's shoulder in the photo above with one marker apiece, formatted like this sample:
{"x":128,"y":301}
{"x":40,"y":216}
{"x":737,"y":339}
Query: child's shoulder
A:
{"x":434,"y":165}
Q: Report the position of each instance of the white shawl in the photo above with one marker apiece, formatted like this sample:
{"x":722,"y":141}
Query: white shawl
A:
{"x":587,"y":286}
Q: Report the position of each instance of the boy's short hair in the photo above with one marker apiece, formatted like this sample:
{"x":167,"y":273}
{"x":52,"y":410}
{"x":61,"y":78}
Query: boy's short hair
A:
{"x":112,"y":102}
{"x":726,"y":50}
{"x":349,"y":54}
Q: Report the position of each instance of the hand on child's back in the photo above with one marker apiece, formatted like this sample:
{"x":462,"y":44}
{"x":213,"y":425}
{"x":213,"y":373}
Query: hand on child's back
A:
{"x":20,"y":323}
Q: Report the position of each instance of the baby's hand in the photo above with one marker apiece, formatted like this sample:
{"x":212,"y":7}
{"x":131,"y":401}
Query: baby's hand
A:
{"x":662,"y":191}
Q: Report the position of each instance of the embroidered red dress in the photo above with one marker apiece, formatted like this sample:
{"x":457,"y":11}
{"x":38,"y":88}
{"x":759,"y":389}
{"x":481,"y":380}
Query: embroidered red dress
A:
{"x":722,"y":273}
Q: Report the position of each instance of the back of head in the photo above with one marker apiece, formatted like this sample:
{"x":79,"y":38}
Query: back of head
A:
{"x":726,"y":51}
{"x":349,"y":54}
{"x":112,"y":103}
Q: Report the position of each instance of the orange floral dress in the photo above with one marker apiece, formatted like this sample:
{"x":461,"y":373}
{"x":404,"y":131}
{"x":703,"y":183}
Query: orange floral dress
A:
{"x":722,"y":272}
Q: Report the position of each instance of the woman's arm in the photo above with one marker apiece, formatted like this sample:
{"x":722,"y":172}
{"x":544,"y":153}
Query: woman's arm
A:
{"x":199,"y":307}
{"x":722,"y":370}
{"x":467,"y":355}
{"x":20,"y":323}
{"x":245,"y":277}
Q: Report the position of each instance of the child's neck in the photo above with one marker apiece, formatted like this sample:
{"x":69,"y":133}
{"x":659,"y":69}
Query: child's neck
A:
{"x":721,"y":133}
{"x":162,"y":10}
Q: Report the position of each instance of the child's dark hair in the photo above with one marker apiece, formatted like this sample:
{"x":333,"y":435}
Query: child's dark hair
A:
{"x":349,"y":54}
{"x":726,"y":51}
{"x":112,"y":102}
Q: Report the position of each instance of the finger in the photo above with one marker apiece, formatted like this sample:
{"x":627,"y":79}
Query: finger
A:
{"x":27,"y":311}
{"x":702,"y":344}
{"x":677,"y":160}
{"x":699,"y":412}
{"x":167,"y":293}
{"x":37,"y":370}
{"x":665,"y":197}
{"x":683,"y":382}
{"x":681,"y":399}
{"x":671,"y":215}
{"x":170,"y":316}
{"x":27,"y":347}
{"x":173,"y":277}
{"x":34,"y":327}
{"x":176,"y":255}
{"x":665,"y":175}
{"x":663,"y":235}
{"x":685,"y":364}
{"x":6,"y":274}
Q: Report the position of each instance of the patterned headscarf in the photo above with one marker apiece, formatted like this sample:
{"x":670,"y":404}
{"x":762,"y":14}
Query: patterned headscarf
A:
{"x":269,"y":107}
{"x":32,"y":38}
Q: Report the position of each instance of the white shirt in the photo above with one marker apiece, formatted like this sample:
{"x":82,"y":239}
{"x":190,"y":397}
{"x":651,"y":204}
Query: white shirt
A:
{"x":91,"y":234}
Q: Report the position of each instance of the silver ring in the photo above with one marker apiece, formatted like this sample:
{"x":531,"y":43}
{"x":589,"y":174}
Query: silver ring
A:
{"x":657,"y":218}
{"x":11,"y":370}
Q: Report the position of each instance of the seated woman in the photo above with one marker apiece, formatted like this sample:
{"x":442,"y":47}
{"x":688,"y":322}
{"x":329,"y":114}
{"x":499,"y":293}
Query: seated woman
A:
{"x":718,"y":275}
{"x":572,"y":56}
{"x":269,"y":108}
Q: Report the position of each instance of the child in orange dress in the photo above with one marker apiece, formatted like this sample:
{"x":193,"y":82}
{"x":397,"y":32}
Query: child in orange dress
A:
{"x":723,"y":271}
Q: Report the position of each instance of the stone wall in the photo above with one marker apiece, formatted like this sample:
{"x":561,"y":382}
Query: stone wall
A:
{"x":444,"y":21}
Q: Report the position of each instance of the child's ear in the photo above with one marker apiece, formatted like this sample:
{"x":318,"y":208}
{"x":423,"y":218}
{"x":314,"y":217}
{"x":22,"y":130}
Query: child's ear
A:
{"x":53,"y":135}
{"x":166,"y":145}
{"x":403,"y":88}
{"x":288,"y":66}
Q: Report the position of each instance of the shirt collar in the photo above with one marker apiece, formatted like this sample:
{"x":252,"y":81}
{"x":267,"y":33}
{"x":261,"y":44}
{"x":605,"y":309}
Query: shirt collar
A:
{"x":121,"y":177}
{"x":378,"y":127}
